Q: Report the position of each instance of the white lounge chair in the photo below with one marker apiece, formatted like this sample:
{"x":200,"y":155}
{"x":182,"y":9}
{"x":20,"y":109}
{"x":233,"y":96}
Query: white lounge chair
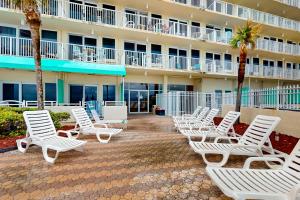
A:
{"x":41,"y":132}
{"x":107,"y":122}
{"x":207,"y":122}
{"x":199,"y":118}
{"x":85,"y":126}
{"x":250,"y":144}
{"x":188,"y":116}
{"x":271,"y":184}
{"x":211,"y":132}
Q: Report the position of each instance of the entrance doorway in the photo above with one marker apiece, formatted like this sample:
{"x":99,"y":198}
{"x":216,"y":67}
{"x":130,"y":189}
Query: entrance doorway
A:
{"x":138,"y":101}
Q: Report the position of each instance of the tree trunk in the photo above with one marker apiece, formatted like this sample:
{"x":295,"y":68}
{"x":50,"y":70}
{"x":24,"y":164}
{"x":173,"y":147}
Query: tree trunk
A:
{"x":241,"y":76}
{"x":34,"y":21}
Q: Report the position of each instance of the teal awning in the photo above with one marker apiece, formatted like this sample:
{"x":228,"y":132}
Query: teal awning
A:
{"x":23,"y":63}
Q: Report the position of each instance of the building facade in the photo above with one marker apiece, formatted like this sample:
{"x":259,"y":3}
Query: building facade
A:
{"x":163,"y":45}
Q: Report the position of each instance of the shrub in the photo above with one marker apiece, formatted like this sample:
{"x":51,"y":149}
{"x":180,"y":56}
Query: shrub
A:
{"x":12,"y":121}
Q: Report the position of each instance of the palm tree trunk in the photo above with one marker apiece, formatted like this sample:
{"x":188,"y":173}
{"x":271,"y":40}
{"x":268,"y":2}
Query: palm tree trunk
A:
{"x":35,"y":32}
{"x":241,"y":77}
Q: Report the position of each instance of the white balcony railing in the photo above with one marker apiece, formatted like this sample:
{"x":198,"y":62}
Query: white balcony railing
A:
{"x":97,"y":15}
{"x":294,"y":3}
{"x":83,"y":53}
{"x":277,"y":47}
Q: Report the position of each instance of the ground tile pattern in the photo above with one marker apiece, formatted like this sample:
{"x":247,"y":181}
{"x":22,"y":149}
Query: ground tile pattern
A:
{"x":149,"y":160}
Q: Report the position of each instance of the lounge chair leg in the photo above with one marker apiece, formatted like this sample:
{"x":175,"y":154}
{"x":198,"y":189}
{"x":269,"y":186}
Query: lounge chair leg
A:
{"x":216,"y":164}
{"x":47,"y":158}
{"x":102,"y":140}
{"x":25,"y":141}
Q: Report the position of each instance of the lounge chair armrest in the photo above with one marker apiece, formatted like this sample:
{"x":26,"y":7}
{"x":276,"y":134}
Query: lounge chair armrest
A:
{"x":68,"y":133}
{"x":101,"y":124}
{"x":265,"y":158}
{"x":294,"y":192}
{"x":225,"y":138}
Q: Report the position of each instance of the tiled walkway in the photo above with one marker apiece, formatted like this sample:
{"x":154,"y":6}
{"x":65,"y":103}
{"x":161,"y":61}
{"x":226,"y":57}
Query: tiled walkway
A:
{"x":147,"y":161}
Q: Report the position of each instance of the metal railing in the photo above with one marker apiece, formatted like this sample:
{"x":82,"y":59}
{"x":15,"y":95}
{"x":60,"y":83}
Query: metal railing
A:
{"x":84,"y":53}
{"x":98,"y":15}
{"x":286,"y":97}
{"x":294,"y":3}
{"x":177,"y":103}
{"x":278,"y":47}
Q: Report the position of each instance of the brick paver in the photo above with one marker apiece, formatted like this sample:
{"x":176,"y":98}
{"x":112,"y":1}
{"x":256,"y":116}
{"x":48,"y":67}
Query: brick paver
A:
{"x":149,"y":160}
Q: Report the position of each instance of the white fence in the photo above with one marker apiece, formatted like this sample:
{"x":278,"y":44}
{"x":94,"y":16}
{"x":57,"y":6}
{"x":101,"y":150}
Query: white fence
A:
{"x":284,"y":98}
{"x":178,"y":103}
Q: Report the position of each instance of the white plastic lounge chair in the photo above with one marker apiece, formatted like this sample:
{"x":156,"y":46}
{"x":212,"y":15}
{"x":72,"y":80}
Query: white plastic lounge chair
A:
{"x":86,"y":126}
{"x":107,"y":122}
{"x":188,"y":116}
{"x":272,"y":184}
{"x":210,"y":132}
{"x":199,"y":118}
{"x":207,"y":122}
{"x":250,"y":144}
{"x":41,"y":132}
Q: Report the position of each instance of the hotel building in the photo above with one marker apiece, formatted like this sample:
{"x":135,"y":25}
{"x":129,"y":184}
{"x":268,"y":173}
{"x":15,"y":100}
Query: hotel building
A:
{"x":114,"y":50}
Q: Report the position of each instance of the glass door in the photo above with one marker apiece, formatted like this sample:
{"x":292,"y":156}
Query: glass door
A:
{"x":138,"y":101}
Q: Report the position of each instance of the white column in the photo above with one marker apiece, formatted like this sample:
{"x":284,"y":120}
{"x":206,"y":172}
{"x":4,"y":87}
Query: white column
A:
{"x":165,"y":84}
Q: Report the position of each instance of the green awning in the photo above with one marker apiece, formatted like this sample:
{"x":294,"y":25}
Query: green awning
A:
{"x":24,"y":63}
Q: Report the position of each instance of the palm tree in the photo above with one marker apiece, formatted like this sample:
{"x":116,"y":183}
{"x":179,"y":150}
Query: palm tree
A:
{"x":30,"y":8}
{"x":244,"y":38}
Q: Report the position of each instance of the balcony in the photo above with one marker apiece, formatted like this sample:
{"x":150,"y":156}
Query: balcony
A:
{"x":219,"y":67}
{"x":294,"y":3}
{"x":277,"y":47}
{"x":247,"y":13}
{"x":83,"y":53}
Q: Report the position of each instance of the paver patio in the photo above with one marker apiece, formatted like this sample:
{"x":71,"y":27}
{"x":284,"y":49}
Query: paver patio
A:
{"x":149,"y":160}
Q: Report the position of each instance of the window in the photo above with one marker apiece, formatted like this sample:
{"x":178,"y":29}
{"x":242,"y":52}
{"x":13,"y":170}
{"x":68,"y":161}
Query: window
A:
{"x":50,"y":91}
{"x":10,"y":91}
{"x":109,"y":92}
{"x":49,"y":35}
{"x":90,"y":93}
{"x":29,"y":92}
{"x":7,"y":31}
{"x":25,"y":34}
{"x":174,"y":87}
{"x":76,"y":93}
{"x":108,"y":43}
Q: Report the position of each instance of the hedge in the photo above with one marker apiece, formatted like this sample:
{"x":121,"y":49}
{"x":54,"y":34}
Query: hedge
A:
{"x":12,"y":122}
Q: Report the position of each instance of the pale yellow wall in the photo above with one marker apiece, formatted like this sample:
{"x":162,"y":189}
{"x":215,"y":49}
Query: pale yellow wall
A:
{"x":212,"y":84}
{"x":288,"y":124}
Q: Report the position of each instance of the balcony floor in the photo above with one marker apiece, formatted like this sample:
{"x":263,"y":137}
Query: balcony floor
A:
{"x":147,"y":161}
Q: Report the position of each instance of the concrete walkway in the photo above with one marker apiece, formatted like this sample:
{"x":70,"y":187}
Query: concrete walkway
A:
{"x":147,"y":161}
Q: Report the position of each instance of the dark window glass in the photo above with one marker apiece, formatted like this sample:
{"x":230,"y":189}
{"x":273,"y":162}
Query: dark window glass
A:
{"x":256,"y":61}
{"x":129,"y":46}
{"x":49,"y":35}
{"x":182,"y":53}
{"x":155,"y":86}
{"x":74,"y":39}
{"x":289,"y":65}
{"x":195,"y":53}
{"x":108,"y":43}
{"x":90,"y":93}
{"x":209,"y":56}
{"x":279,"y":64}
{"x":110,"y":7}
{"x":76,"y":93}
{"x":189,"y":88}
{"x":50,"y":91}
{"x":7,"y":31}
{"x":265,"y":62}
{"x":29,"y":92}
{"x":196,"y":24}
{"x":172,"y":52}
{"x":109,"y":93}
{"x":10,"y":91}
{"x":25,"y":33}
{"x":90,"y":42}
{"x":138,"y":86}
{"x":141,"y":48}
{"x":156,"y":16}
{"x":155,"y":48}
{"x":217,"y":56}
{"x":176,"y":87}
{"x":227,"y":57}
